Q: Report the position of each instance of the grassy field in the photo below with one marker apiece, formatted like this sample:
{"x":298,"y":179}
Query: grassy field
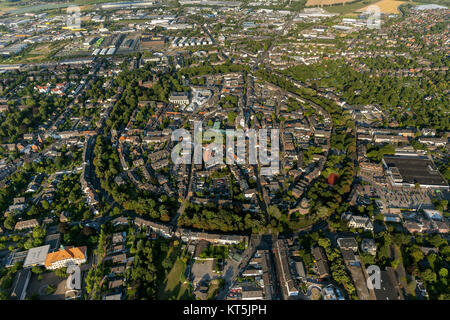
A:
{"x":37,"y":53}
{"x":175,"y":286}
{"x":213,"y":287}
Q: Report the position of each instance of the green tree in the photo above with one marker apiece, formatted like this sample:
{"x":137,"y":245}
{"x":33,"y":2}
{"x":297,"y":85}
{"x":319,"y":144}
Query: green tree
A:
{"x":429,"y":276}
{"x":324,"y":242}
{"x":37,"y":270}
{"x":61,"y":272}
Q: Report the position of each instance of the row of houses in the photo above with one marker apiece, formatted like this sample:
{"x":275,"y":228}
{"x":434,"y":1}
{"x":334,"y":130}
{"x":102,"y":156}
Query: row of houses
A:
{"x":426,"y":226}
{"x":287,"y":280}
{"x":187,"y":235}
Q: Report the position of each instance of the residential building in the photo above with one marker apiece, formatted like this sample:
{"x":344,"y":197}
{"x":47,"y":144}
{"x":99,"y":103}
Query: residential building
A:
{"x":65,"y":257}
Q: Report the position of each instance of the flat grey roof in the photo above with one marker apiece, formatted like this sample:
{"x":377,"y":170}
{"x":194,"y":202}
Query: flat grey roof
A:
{"x":117,"y":296}
{"x":347,"y":242}
{"x":36,"y":256}
{"x":15,"y":257}
{"x":300,"y":269}
{"x":20,"y":284}
{"x":348,"y":255}
{"x":387,"y":290}
{"x":53,"y":241}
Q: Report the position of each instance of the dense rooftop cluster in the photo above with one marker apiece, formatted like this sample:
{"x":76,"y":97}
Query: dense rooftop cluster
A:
{"x":89,"y":122}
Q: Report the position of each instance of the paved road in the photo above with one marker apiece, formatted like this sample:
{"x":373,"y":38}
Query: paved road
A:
{"x":233,"y":269}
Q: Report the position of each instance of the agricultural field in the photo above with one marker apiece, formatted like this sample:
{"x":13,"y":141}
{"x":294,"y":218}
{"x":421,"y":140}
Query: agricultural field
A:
{"x":6,"y":6}
{"x":350,"y":8}
{"x":311,"y":3}
{"x":386,"y":6}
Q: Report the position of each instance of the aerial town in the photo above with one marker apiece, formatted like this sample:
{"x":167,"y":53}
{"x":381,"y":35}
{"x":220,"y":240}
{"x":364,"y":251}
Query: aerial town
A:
{"x":116,"y":182}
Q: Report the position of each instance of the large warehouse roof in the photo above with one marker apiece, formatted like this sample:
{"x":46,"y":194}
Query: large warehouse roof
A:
{"x":414,"y":170}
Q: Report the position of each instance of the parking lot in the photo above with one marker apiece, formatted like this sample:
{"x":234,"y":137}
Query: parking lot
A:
{"x":407,"y":198}
{"x":202,"y":270}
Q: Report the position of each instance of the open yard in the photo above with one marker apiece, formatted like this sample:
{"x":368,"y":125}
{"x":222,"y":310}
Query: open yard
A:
{"x":202,"y":271}
{"x":214,"y":286}
{"x":41,"y":49}
{"x":37,"y":52}
{"x":39,"y":287}
{"x":315,"y":294}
